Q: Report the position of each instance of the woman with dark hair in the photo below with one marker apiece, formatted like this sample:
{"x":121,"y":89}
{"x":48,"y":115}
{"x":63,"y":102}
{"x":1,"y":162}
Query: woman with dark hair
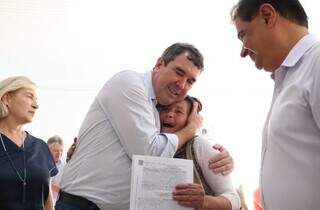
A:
{"x":209,"y":191}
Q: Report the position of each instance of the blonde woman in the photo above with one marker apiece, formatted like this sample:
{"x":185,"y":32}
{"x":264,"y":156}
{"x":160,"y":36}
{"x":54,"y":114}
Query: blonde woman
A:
{"x":25,"y":161}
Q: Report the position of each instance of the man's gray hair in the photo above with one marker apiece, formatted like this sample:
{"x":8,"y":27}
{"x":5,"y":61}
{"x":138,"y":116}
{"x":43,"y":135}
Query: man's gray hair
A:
{"x":54,"y":140}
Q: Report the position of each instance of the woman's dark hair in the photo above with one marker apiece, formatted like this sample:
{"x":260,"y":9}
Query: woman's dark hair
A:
{"x":188,"y":99}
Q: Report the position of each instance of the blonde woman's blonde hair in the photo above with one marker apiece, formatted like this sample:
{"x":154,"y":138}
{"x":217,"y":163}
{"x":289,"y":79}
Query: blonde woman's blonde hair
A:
{"x":12,"y":84}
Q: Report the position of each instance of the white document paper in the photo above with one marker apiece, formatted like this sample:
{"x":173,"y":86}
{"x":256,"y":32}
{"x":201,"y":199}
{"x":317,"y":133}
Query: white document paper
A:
{"x":153,"y":180}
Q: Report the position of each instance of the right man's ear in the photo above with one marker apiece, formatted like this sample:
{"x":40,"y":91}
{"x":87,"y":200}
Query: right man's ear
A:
{"x":268,"y":13}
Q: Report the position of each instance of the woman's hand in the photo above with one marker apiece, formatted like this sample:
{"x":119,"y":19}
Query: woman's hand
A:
{"x":189,"y":195}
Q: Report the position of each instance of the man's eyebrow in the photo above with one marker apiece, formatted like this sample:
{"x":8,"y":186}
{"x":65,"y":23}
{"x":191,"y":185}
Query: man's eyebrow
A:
{"x":178,"y":68}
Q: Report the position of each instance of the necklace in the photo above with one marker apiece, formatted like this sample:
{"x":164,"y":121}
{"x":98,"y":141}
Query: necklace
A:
{"x":24,"y":179}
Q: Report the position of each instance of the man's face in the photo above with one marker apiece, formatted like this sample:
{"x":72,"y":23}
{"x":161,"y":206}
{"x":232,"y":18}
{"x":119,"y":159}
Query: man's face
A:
{"x":174,"y":117}
{"x":172,"y":82}
{"x":256,"y":39}
{"x":56,"y":151}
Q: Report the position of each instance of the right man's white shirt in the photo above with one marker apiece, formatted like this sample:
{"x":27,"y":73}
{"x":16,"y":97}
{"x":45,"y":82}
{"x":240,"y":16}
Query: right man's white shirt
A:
{"x":290,"y":165}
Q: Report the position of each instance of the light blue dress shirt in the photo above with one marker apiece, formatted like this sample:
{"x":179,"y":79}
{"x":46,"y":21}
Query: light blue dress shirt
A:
{"x":122,"y":121}
{"x":290,"y":167}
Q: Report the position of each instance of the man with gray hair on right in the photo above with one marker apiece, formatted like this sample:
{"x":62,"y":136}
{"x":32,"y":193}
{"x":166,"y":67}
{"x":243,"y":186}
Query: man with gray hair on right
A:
{"x":55,"y":144}
{"x":275,"y":36}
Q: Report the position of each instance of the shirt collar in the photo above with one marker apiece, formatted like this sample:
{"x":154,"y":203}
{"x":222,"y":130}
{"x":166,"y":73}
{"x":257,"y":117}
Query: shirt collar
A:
{"x":304,"y":44}
{"x":148,"y":84}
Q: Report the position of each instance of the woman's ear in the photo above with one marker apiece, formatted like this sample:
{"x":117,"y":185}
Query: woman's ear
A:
{"x":5,"y":99}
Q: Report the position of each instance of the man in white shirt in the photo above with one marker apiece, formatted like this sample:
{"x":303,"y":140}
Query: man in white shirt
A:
{"x":123,"y":120}
{"x":55,"y":144}
{"x":275,"y":35}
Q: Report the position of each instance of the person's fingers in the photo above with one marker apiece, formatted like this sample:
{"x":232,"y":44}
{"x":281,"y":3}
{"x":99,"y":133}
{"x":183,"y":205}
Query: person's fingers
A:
{"x":220,"y":160}
{"x":189,"y":198}
{"x":195,"y":107}
{"x":194,"y":114}
{"x":218,"y":147}
{"x":195,"y":120}
{"x":188,"y":189}
{"x":221,"y":163}
{"x":192,"y":195}
{"x":224,"y":170}
{"x":187,"y":186}
{"x":222,"y":156}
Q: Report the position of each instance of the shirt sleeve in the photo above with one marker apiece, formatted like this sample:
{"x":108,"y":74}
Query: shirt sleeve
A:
{"x":126,"y":102}
{"x":221,"y":185}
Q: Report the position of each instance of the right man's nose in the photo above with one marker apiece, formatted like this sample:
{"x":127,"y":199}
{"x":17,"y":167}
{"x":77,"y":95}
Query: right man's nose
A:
{"x":244,"y":52}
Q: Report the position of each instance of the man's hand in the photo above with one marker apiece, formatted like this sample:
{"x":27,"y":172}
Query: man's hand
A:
{"x":71,"y":149}
{"x":222,"y":162}
{"x":190,"y":195}
{"x":55,"y":187}
{"x":195,"y":119}
{"x":194,"y":124}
